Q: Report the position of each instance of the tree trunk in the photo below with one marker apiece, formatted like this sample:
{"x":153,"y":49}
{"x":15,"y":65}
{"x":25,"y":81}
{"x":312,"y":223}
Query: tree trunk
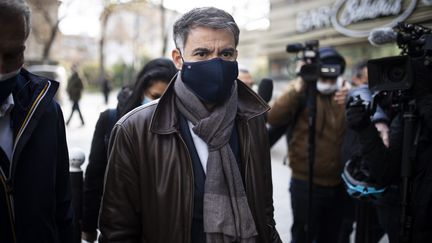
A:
{"x":49,"y":43}
{"x":104,"y":21}
{"x":164,"y":34}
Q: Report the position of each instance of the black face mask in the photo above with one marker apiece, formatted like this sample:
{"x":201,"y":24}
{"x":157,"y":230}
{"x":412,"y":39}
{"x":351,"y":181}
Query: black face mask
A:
{"x":210,"y":80}
{"x":6,"y":87}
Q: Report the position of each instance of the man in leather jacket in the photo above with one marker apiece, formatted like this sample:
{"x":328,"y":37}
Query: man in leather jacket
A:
{"x":194,"y":165}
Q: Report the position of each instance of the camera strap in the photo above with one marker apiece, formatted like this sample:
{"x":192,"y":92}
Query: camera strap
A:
{"x":407,"y":200}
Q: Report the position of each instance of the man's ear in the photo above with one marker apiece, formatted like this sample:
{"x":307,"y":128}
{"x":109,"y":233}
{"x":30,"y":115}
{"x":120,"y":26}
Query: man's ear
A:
{"x":177,"y":58}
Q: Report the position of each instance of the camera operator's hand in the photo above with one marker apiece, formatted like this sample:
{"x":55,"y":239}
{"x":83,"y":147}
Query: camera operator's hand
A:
{"x":299,"y":85}
{"x":341,"y":94}
{"x":383,"y":130}
{"x":357,"y":116}
{"x":89,"y":236}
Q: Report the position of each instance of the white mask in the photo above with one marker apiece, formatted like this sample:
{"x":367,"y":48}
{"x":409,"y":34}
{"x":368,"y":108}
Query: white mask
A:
{"x":5,"y":76}
{"x":326,"y":88}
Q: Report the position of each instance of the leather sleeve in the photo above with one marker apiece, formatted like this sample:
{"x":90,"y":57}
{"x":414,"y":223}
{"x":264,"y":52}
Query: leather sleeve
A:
{"x":64,"y":213}
{"x":119,"y":218}
{"x":284,"y":108}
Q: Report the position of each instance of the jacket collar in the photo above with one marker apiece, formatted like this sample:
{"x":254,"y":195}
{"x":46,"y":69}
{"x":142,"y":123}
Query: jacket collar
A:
{"x":32,"y":95}
{"x":165,"y":118}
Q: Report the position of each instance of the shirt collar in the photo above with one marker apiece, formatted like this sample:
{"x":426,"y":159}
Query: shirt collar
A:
{"x":6,"y":106}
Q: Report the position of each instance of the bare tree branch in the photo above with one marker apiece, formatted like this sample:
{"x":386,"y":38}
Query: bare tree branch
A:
{"x":111,"y":7}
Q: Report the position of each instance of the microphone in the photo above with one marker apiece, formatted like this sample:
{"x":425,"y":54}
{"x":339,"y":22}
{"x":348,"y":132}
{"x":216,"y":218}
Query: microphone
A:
{"x":294,"y":48}
{"x":265,"y":89}
{"x":381,"y":36}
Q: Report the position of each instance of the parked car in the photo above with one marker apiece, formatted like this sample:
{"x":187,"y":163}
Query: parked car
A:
{"x":54,"y":72}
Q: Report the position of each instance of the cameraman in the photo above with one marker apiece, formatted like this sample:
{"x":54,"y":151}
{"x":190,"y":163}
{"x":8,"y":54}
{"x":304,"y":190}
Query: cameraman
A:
{"x":328,"y":196}
{"x":364,"y":213}
{"x":384,"y":164}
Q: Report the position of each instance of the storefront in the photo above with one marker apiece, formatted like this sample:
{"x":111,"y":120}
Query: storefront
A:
{"x":343,"y":24}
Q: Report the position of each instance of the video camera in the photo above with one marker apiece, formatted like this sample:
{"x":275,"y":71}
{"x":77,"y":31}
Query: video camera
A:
{"x":408,"y":74}
{"x":309,"y":54}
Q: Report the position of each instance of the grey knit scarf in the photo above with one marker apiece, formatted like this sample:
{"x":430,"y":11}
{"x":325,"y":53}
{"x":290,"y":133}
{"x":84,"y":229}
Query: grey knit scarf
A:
{"x":227,"y":216}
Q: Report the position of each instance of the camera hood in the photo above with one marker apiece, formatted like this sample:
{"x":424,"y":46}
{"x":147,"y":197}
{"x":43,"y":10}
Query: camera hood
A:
{"x":390,"y":73}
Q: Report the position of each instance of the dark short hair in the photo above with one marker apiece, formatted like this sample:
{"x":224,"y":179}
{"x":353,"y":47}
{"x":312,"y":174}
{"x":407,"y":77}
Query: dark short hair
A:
{"x":17,"y":7}
{"x":209,"y":17}
{"x":357,"y":69}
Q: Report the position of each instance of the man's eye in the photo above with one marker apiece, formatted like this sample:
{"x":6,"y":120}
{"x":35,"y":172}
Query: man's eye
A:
{"x":227,"y":54}
{"x":201,"y":54}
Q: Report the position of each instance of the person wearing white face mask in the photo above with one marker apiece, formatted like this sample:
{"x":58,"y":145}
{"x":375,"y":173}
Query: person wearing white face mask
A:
{"x":329,"y":196}
{"x":35,"y":195}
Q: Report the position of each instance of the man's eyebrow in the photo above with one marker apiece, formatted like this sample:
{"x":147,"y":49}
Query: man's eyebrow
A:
{"x":200,"y":49}
{"x":228,"y":50}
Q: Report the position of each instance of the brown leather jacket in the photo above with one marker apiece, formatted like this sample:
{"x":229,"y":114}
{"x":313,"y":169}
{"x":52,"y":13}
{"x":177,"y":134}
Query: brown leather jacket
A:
{"x":149,"y":183}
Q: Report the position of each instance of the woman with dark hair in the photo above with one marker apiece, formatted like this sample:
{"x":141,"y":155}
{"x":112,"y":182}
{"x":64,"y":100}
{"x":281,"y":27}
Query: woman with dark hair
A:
{"x":150,"y":84}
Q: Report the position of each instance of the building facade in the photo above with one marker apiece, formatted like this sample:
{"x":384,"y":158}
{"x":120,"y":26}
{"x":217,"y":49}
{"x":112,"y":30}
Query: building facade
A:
{"x":343,"y":24}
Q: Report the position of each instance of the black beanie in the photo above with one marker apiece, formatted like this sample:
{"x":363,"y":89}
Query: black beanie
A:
{"x":329,"y":56}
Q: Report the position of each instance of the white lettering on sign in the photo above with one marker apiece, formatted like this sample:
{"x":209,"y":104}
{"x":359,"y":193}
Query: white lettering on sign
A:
{"x":357,"y":10}
{"x":348,"y":12}
{"x":314,"y":19}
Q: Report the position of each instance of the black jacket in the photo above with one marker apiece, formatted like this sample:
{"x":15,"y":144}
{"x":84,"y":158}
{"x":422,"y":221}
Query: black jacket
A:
{"x":95,"y":172}
{"x":35,"y":195}
{"x":384,"y":166}
{"x":74,"y":87}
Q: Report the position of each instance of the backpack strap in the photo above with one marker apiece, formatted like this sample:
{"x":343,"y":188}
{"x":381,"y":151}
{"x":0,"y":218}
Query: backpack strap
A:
{"x":112,"y":119}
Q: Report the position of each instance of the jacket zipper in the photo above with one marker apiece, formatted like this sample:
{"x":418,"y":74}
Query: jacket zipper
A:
{"x":9,"y":203}
{"x":27,"y":119}
{"x":191,"y":204}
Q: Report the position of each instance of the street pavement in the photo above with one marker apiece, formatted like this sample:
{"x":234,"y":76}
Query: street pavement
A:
{"x":92,"y":104}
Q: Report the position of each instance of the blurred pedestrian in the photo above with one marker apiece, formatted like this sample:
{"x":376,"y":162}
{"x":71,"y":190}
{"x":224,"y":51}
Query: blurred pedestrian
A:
{"x":74,"y":88}
{"x":245,"y":76}
{"x":193,"y":166}
{"x":150,"y":84}
{"x":106,"y":88}
{"x":35,"y":194}
{"x":328,"y":195}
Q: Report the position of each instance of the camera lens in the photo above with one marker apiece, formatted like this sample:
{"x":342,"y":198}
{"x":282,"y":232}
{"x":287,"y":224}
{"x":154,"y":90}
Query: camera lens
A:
{"x":395,"y":74}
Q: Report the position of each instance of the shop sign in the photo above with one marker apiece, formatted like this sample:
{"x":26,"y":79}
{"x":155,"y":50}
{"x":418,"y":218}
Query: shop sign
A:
{"x":346,"y":13}
{"x":427,"y":2}
{"x":314,"y":19}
